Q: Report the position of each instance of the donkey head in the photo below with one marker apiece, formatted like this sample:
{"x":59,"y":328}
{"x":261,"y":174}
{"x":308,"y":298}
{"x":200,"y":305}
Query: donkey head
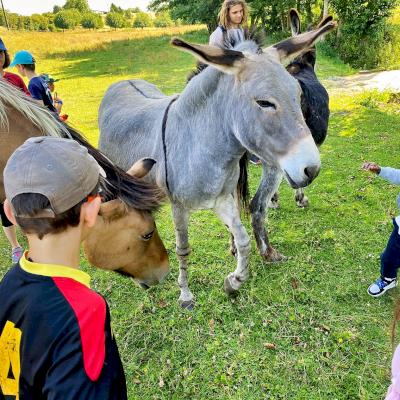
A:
{"x":261,"y":103}
{"x":314,"y":98}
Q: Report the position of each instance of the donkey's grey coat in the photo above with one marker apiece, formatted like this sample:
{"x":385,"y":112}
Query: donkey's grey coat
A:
{"x":252,"y":104}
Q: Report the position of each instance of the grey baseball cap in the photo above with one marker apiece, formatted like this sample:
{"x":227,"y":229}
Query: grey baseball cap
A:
{"x":60,"y":169}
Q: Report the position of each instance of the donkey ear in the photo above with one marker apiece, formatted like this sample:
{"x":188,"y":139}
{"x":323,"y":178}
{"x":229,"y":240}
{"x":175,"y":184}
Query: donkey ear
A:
{"x":327,"y":19}
{"x":294,"y":22}
{"x":290,"y":48}
{"x":228,"y":61}
{"x":141,"y":167}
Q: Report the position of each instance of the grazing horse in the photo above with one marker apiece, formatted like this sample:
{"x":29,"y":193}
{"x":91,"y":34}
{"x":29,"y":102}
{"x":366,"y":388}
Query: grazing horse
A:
{"x":125,"y":238}
{"x":315,"y":109}
{"x":246,"y":101}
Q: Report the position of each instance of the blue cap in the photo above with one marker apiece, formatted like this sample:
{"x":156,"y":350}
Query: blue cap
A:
{"x":22,"y":57}
{"x":2,"y":46}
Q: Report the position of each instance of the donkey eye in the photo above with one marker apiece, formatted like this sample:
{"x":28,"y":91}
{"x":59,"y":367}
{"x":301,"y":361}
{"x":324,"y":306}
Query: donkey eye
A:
{"x":266,"y":104}
{"x":148,"y":236}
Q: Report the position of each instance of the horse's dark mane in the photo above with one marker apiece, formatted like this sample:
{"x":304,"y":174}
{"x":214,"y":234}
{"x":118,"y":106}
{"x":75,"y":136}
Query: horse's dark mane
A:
{"x":134,"y":192}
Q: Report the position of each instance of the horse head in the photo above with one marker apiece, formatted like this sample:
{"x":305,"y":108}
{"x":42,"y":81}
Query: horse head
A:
{"x":126,"y":240}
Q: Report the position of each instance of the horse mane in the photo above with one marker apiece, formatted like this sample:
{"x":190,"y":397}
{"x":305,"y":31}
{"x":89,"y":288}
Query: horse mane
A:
{"x":134,"y":192}
{"x":41,"y":117}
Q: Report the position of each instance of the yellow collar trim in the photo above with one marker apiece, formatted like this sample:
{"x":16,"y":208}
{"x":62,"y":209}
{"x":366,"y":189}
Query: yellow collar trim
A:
{"x":52,"y":270}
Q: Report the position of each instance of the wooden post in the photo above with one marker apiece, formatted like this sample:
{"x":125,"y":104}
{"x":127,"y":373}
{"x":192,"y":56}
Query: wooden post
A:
{"x":5,"y":15}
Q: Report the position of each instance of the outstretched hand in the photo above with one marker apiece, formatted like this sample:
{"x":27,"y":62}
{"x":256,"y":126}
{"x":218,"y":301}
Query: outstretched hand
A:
{"x":371,"y":167}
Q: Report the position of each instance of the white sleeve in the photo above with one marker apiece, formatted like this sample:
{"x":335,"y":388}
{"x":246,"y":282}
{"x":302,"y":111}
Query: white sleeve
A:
{"x":217,"y":38}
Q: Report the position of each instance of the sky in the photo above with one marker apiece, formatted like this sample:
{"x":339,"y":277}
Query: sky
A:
{"x":28,"y":7}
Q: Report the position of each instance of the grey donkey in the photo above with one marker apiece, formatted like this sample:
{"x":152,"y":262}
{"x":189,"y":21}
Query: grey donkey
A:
{"x":246,"y":102}
{"x":315,"y":108}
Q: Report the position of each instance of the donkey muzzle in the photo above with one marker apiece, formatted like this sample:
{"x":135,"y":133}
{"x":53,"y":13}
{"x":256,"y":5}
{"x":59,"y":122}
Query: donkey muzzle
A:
{"x":301,"y":165}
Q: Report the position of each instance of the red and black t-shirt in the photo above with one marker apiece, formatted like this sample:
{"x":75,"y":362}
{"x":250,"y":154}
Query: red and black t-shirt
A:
{"x":17,"y":81}
{"x":55,"y":337}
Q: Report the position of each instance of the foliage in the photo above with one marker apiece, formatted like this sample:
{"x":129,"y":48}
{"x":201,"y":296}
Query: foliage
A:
{"x":116,"y":9}
{"x":163,"y":20}
{"x":67,"y":19}
{"x":142,"y":20}
{"x":190,"y":11}
{"x":363,"y":30}
{"x":92,"y":21}
{"x":116,"y":20}
{"x":81,"y":5}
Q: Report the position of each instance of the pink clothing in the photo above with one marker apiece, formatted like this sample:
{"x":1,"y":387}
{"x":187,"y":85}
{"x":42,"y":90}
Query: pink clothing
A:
{"x":394,"y":389}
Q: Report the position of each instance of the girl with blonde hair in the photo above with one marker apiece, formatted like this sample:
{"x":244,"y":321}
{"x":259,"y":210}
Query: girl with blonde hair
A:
{"x":232,"y":28}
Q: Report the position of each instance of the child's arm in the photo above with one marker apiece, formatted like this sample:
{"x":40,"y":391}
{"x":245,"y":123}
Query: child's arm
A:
{"x":390,"y":174}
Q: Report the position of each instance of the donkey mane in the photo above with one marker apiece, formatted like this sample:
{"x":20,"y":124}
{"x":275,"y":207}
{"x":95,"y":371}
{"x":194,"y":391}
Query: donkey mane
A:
{"x":134,"y":192}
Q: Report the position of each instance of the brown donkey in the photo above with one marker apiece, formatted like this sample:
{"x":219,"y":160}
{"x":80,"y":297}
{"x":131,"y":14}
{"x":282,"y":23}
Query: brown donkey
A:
{"x":125,"y":238}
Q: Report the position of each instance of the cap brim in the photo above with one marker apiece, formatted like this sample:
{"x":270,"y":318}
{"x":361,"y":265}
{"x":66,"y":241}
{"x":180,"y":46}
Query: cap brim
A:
{"x":13,"y":64}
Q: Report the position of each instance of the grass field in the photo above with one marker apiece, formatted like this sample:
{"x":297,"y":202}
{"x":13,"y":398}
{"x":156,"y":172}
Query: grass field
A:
{"x":305,"y":329}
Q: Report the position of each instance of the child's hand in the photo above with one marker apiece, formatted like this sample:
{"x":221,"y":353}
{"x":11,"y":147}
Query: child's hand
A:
{"x":371,"y":167}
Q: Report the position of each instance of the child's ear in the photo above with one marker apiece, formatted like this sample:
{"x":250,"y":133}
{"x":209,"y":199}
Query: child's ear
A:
{"x":9,"y":212}
{"x":90,"y":210}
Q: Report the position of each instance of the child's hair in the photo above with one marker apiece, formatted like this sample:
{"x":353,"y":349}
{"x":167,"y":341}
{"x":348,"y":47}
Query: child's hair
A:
{"x":223,"y":15}
{"x":29,"y":67}
{"x":6,"y":59}
{"x":31,"y":204}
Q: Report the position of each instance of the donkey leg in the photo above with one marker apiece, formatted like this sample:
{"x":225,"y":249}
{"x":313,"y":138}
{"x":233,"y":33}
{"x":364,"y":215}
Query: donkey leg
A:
{"x":274,"y":202}
{"x":228,"y":212}
{"x":181,"y":222}
{"x":270,"y":181}
{"x":301,"y":198}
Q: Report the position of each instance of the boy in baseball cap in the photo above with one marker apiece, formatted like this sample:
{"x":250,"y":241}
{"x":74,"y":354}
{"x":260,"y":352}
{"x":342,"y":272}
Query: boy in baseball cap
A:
{"x":59,"y":342}
{"x":38,"y":88}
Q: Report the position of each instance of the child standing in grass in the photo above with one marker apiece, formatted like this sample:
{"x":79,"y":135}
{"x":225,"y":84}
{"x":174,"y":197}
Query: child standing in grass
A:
{"x":55,"y":335}
{"x":390,"y":258}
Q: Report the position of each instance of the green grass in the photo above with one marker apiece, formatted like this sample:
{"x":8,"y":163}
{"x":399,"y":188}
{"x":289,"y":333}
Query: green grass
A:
{"x":331,"y":340}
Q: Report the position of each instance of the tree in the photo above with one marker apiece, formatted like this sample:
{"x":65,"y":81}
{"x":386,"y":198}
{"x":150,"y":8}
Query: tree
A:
{"x":81,"y":5}
{"x":92,"y":20}
{"x":39,"y":22}
{"x":142,"y":20}
{"x":116,"y":9}
{"x":67,"y":19}
{"x":190,"y":11}
{"x":56,"y":9}
{"x":163,"y":20}
{"x":116,"y":20}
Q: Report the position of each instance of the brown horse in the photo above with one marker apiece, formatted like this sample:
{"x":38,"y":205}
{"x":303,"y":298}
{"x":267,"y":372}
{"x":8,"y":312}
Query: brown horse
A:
{"x":125,"y":237}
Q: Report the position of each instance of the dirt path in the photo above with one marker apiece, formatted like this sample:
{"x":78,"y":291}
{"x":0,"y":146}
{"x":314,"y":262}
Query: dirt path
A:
{"x":385,"y":80}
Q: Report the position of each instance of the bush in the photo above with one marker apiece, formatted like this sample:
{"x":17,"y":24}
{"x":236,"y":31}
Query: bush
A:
{"x":142,"y":20}
{"x":363,"y":30}
{"x":116,"y":20}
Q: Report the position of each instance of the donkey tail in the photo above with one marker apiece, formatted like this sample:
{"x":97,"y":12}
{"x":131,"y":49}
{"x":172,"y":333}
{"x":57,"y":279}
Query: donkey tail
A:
{"x":243,"y":192}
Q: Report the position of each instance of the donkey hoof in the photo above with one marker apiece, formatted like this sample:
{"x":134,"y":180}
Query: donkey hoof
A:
{"x":229,"y":289}
{"x":303,"y":203}
{"x":273,"y":256}
{"x":273,"y":204}
{"x":187,"y":304}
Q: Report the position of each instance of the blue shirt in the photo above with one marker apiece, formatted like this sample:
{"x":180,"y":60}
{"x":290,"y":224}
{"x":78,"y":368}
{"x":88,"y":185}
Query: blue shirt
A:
{"x":40,"y":91}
